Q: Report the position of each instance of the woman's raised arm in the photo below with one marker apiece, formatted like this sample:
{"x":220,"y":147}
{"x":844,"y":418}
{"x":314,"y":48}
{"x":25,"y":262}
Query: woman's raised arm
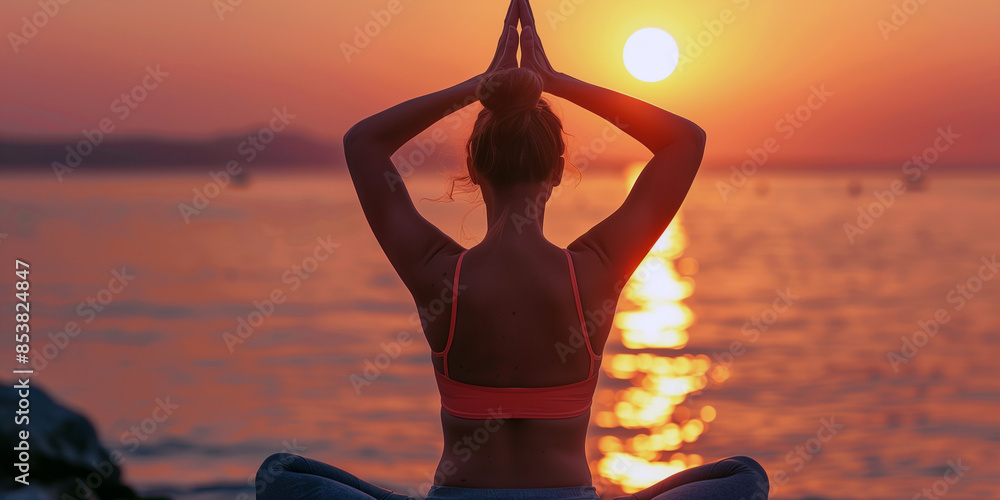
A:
{"x":409,"y":240}
{"x":677,"y":144}
{"x":392,"y":128}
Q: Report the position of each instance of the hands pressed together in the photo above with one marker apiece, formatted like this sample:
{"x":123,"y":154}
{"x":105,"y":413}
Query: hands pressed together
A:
{"x":532,"y":53}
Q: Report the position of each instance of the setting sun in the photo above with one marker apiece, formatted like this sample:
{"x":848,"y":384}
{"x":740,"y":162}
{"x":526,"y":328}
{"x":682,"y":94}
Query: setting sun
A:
{"x":651,"y":54}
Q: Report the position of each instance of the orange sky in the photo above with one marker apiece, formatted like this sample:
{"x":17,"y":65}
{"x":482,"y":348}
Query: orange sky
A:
{"x":939,"y":69}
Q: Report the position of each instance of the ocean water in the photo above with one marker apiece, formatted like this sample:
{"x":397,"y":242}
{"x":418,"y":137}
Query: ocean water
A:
{"x":858,"y":364}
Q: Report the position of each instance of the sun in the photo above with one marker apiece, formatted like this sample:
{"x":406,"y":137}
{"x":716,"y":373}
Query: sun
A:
{"x":651,"y":54}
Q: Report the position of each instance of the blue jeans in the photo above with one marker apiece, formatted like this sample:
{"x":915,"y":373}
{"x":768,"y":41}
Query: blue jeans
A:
{"x":284,"y":476}
{"x":569,"y":493}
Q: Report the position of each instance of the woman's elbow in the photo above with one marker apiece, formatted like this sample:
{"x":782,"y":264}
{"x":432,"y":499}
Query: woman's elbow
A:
{"x":687,"y":135}
{"x":363,"y":136}
{"x":697,"y":132}
{"x":354,"y":136}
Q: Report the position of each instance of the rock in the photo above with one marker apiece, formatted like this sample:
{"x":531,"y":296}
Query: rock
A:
{"x":67,"y":459}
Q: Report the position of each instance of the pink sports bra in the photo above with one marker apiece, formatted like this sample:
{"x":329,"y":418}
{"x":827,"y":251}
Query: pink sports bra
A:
{"x":482,"y":402}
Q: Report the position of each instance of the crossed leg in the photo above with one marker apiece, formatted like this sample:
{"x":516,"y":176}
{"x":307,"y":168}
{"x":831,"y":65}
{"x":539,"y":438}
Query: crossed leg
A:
{"x":283,"y":476}
{"x":733,"y":478}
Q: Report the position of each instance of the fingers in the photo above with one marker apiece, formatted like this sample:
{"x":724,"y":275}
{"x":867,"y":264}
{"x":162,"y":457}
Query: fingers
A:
{"x":527,"y":16}
{"x":527,"y":43}
{"x":530,"y":42}
{"x":513,"y":14}
{"x":510,"y":49}
{"x":528,"y":20}
{"x":533,"y":52}
{"x":506,"y":51}
{"x":506,"y":54}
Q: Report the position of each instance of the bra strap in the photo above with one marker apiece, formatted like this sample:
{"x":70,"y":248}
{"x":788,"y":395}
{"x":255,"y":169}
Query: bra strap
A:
{"x":579,"y":310}
{"x":454,"y":313}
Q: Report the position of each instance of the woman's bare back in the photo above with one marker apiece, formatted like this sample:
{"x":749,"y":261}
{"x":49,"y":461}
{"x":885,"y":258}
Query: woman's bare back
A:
{"x":517,"y":326}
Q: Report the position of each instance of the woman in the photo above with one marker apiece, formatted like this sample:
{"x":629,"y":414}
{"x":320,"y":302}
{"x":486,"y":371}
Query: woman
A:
{"x":516,"y":406}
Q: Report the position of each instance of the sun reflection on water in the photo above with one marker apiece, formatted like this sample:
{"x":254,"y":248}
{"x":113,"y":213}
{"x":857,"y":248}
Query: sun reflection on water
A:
{"x":645,"y":424}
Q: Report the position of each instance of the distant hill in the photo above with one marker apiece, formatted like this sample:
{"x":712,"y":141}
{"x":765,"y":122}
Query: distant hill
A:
{"x":139,"y":152}
{"x":299,"y":151}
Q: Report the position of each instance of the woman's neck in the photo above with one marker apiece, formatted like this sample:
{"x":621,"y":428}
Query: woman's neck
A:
{"x":516,"y":213}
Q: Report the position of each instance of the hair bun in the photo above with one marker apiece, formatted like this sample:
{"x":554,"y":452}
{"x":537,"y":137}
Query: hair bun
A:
{"x":510,"y":90}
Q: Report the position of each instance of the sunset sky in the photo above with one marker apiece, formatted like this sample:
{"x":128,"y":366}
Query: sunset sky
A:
{"x":894,"y":82}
